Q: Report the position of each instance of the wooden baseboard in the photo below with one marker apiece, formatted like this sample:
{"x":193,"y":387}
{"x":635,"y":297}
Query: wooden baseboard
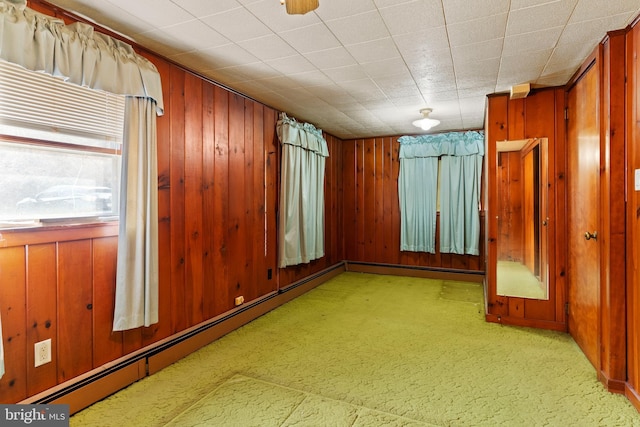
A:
{"x":86,"y":389}
{"x":613,"y":385}
{"x":416,"y":271}
{"x":520,"y":321}
{"x":632,"y":395}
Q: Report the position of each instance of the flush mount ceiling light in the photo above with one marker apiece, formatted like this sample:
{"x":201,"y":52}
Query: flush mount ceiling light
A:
{"x":299,"y":7}
{"x":425,"y":123}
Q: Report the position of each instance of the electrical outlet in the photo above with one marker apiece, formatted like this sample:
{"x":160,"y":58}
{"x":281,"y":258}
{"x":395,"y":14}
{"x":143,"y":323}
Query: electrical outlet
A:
{"x":239,"y":300}
{"x":42,"y":352}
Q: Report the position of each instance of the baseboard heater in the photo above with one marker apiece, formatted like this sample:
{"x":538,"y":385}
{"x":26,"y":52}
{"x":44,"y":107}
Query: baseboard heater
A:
{"x":88,"y":388}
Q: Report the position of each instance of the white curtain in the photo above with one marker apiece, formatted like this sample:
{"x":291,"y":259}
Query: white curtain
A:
{"x":84,"y":57}
{"x":137,"y":266}
{"x":301,"y":219}
{"x":461,"y":168}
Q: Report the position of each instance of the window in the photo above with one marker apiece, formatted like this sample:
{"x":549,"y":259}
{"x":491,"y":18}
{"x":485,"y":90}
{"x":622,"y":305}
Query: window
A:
{"x":60,"y":147}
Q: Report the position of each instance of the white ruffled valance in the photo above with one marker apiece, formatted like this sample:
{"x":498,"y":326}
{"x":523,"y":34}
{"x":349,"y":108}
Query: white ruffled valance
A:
{"x":442,"y":144}
{"x":304,"y":135}
{"x":76,"y":53}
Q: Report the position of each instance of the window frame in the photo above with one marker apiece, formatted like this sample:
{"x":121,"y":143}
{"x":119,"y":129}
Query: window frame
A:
{"x":115,"y":147}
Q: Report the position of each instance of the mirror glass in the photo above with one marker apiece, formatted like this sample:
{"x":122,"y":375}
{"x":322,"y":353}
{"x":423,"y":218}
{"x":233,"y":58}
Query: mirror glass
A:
{"x":522,"y":269}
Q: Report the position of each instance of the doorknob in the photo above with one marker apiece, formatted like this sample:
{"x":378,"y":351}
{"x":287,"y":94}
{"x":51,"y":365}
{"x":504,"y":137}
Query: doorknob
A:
{"x":545,"y":222}
{"x":589,"y":236}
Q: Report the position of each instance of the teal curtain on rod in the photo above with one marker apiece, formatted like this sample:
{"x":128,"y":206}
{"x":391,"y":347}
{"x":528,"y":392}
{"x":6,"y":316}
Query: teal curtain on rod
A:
{"x":301,"y":216}
{"x":461,"y":156}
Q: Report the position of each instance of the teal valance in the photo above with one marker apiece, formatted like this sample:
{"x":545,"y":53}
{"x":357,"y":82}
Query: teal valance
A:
{"x":76,"y":53}
{"x":303,"y":135}
{"x":442,"y":144}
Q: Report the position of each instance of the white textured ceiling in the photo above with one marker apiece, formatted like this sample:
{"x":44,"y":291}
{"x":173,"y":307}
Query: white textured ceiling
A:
{"x":359,"y":68}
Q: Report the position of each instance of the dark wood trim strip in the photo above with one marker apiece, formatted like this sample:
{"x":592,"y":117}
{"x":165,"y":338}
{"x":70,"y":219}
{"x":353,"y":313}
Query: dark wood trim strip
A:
{"x":416,"y":271}
{"x":521,"y":321}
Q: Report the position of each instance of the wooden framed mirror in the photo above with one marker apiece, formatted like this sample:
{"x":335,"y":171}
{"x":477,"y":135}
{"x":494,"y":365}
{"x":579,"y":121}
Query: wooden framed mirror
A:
{"x":522,"y":218}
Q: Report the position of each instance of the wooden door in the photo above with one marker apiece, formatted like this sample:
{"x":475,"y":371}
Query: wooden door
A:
{"x":583,"y":165}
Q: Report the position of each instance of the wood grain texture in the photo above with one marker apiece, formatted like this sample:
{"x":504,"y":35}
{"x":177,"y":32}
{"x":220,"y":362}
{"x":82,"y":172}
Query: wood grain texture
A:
{"x":496,"y":129}
{"x":107,"y":345}
{"x":236,"y":232}
{"x":13,"y":299}
{"x":193,"y":200}
{"x":612,"y":193}
{"x":583,"y":148}
{"x":163,"y":328}
{"x":75,"y":309}
{"x":177,"y":248}
{"x":208,"y":201}
{"x":633,"y":216}
{"x":220,"y":214}
{"x":371,"y":209}
{"x":42,"y":319}
{"x":510,"y":206}
{"x":542,"y":114}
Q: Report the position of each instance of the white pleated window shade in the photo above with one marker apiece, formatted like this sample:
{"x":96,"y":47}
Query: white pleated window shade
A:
{"x":39,"y":106}
{"x":60,"y":148}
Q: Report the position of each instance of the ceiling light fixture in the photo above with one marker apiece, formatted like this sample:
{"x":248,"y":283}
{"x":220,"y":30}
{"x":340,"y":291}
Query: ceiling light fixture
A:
{"x":300,"y":7}
{"x":425,"y":123}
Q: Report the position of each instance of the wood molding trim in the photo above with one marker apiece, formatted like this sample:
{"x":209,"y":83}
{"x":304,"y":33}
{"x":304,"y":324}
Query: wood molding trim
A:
{"x":520,"y":321}
{"x":416,"y":271}
{"x":632,"y":395}
{"x":613,"y":385}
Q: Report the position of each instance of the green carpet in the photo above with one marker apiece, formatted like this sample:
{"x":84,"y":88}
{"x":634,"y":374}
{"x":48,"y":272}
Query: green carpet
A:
{"x":243,"y":401}
{"x":514,"y":279}
{"x":373,"y":350}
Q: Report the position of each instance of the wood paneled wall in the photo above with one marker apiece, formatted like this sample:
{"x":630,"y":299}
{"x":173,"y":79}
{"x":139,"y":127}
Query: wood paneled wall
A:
{"x":632,"y":218}
{"x":218,"y":168}
{"x":217,"y":163}
{"x":510,"y":206}
{"x":371,"y":210}
{"x":613,"y":145}
{"x":539,"y":115}
{"x":59,"y":285}
{"x":217,"y":172}
{"x":542,"y":114}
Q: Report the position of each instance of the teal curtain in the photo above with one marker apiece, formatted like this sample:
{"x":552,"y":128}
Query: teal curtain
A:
{"x":417,"y":190}
{"x":136,"y":302}
{"x":301,"y":216}
{"x":461,"y":173}
{"x":459,"y":205}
